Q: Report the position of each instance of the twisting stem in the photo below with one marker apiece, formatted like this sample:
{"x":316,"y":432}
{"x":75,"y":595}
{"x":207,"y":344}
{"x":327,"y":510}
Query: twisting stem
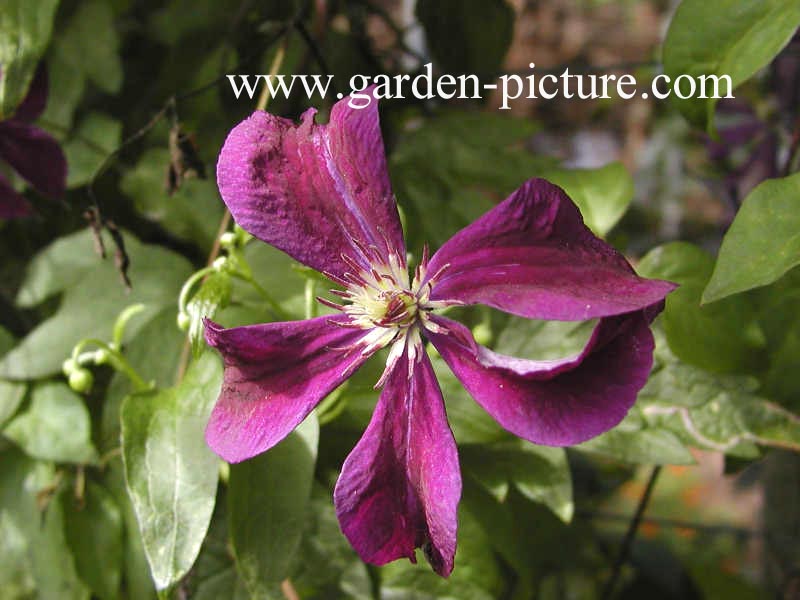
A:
{"x":630,"y":535}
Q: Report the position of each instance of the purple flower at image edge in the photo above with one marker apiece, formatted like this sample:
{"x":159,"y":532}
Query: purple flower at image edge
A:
{"x":30,"y":151}
{"x":321,"y":193}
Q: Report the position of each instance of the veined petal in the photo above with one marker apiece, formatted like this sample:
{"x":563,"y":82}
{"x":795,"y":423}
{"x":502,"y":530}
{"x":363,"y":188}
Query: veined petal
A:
{"x":532,"y":256}
{"x":35,"y":155}
{"x":314,"y":191}
{"x":275,"y":374}
{"x":561,"y":402}
{"x":12,"y":203}
{"x":400,"y":486}
{"x":35,"y":101}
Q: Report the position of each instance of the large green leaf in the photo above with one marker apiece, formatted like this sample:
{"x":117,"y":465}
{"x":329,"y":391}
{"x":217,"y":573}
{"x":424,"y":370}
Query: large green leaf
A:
{"x":636,"y":441}
{"x":93,"y":530}
{"x":25,"y":29}
{"x":720,"y":337}
{"x":603,"y":195}
{"x":90,"y":45}
{"x":35,"y":552}
{"x":763,"y":242}
{"x":97,"y":136}
{"x":170,"y":471}
{"x":11,"y":394}
{"x":477,"y":574}
{"x":468,"y":36}
{"x":268,"y":499}
{"x":92,"y":300}
{"x":725,"y":37}
{"x":540,"y":473}
{"x":455,"y":167}
{"x":192,"y":212}
{"x":716,"y":412}
{"x":55,"y":426}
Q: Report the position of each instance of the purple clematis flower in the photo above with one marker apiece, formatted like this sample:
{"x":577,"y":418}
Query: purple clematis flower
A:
{"x":31,"y":152}
{"x":321,"y":194}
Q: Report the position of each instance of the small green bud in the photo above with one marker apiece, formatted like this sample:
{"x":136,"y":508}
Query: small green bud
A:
{"x":227,"y":239}
{"x":101,"y":357}
{"x":482,"y":334}
{"x":219,"y":263}
{"x":184,"y":321}
{"x":69,"y":366}
{"x":81,"y":380}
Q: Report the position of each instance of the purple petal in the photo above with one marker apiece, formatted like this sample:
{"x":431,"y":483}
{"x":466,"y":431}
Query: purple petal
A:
{"x":35,"y":155}
{"x":275,"y":374}
{"x":35,"y":101}
{"x":400,"y":486}
{"x":532,"y":256}
{"x":12,"y":203}
{"x":555,"y":403}
{"x":312,"y":190}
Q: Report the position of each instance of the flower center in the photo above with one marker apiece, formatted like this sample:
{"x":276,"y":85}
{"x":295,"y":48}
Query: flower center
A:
{"x":386,"y":308}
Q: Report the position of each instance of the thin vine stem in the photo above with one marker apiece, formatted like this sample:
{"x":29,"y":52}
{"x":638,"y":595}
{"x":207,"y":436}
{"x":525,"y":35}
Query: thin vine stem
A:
{"x":630,"y":535}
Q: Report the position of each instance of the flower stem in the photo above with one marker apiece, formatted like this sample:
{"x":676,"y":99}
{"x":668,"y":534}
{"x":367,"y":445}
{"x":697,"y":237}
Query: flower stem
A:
{"x":116,"y":359}
{"x":630,"y":535}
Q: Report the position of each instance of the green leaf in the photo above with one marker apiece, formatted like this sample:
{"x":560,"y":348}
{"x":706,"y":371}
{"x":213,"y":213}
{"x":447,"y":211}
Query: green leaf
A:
{"x":634,"y":441}
{"x":11,"y":394}
{"x":93,"y":530}
{"x":455,"y":167}
{"x":540,"y":473}
{"x":56,"y":576}
{"x":89,"y":44}
{"x":214,"y":294}
{"x":268,"y":498}
{"x":96,"y":137}
{"x":136,"y":572}
{"x":763,"y":242}
{"x":25,"y":29}
{"x":55,"y":426}
{"x":159,"y":367}
{"x":716,"y":412}
{"x":468,"y":36}
{"x":170,"y":471}
{"x":469,"y":422}
{"x":35,"y":552}
{"x":192,"y":213}
{"x":66,"y":83}
{"x":602,"y":195}
{"x":70,"y":264}
{"x":326,"y":565}
{"x":726,"y":37}
{"x":721,"y":337}
{"x":477,"y":575}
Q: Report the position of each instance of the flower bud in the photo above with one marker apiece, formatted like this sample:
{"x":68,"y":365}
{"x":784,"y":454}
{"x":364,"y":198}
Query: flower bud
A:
{"x":184,"y":321}
{"x":227,"y":239}
{"x":69,"y":366}
{"x":101,"y":357}
{"x":482,"y":334}
{"x":81,"y":380}
{"x":219,"y":263}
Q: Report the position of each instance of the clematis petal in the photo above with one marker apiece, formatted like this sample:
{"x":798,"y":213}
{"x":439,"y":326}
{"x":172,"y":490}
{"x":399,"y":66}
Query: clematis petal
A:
{"x":532,"y":256}
{"x":12,"y":203}
{"x":35,"y":101}
{"x":400,"y":486}
{"x":561,"y":402}
{"x":35,"y":155}
{"x":275,"y":374}
{"x":317,"y":192}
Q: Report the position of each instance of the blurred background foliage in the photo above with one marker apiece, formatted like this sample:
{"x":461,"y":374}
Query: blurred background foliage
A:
{"x":702,"y":193}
